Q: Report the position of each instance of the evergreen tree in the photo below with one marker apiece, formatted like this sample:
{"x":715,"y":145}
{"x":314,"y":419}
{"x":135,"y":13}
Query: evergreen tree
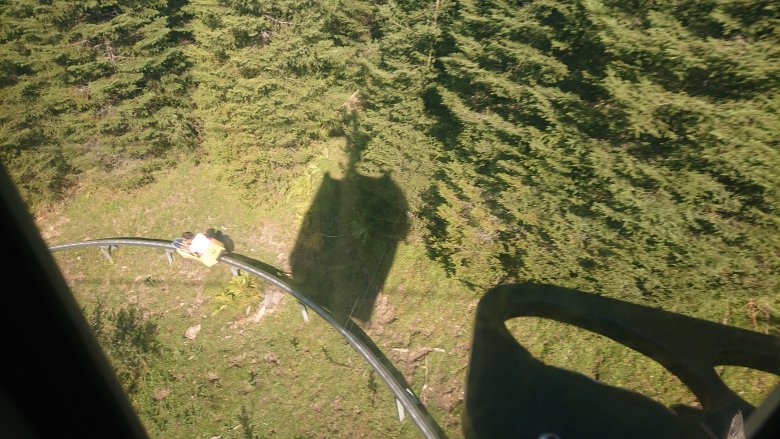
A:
{"x":625,"y":147}
{"x":92,"y":87}
{"x":273,"y":80}
{"x":608,"y":147}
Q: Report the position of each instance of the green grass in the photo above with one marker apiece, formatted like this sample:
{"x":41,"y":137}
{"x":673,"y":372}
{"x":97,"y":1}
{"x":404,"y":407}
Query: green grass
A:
{"x":291,"y":377}
{"x":281,"y":376}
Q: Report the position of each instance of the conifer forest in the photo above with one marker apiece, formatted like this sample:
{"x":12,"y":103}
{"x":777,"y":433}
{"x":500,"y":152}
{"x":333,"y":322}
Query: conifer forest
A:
{"x":629,"y":148}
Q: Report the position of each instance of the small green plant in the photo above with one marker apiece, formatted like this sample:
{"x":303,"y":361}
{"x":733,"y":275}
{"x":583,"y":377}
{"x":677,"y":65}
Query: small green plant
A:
{"x":150,"y":281}
{"x":240,"y":290}
{"x":372,"y":388}
{"x":295,"y":342}
{"x":245,"y":420}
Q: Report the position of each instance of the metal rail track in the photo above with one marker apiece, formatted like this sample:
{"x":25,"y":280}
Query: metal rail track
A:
{"x":405,"y":397}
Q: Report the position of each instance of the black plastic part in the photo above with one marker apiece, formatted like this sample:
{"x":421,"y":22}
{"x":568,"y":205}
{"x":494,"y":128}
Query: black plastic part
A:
{"x":56,"y":381}
{"x":510,"y":393}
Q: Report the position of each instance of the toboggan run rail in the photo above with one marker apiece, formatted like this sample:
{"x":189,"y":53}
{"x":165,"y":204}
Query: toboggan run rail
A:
{"x":406,"y":400}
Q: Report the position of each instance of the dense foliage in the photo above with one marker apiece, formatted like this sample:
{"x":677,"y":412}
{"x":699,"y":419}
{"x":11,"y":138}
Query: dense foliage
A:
{"x":92,"y":86}
{"x":130,"y":341}
{"x":626,"y":147}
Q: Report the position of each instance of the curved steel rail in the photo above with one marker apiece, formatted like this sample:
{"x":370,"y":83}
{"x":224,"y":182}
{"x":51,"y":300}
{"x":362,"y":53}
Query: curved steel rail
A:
{"x":404,"y":395}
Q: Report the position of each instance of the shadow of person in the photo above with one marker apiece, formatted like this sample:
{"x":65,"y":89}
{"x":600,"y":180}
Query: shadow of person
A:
{"x":348,"y":239}
{"x":509,"y":393}
{"x":226,"y":240}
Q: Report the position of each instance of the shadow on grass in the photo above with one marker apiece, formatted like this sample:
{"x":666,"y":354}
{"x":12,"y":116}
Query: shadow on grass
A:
{"x":349,"y":237}
{"x":226,"y":240}
{"x":270,"y":269}
{"x":509,"y":393}
{"x":358,"y":333}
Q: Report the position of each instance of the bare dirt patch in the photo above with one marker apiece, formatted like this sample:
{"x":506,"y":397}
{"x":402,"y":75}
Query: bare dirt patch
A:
{"x":384,"y":314}
{"x":272,"y":300}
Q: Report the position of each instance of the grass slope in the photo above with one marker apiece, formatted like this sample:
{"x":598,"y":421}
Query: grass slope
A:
{"x":243,"y":377}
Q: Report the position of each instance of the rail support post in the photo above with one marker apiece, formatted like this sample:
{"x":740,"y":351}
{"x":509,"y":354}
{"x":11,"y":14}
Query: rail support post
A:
{"x":106,"y":250}
{"x":401,"y":412}
{"x":304,"y":312}
{"x":169,"y":257}
{"x":234,"y":271}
